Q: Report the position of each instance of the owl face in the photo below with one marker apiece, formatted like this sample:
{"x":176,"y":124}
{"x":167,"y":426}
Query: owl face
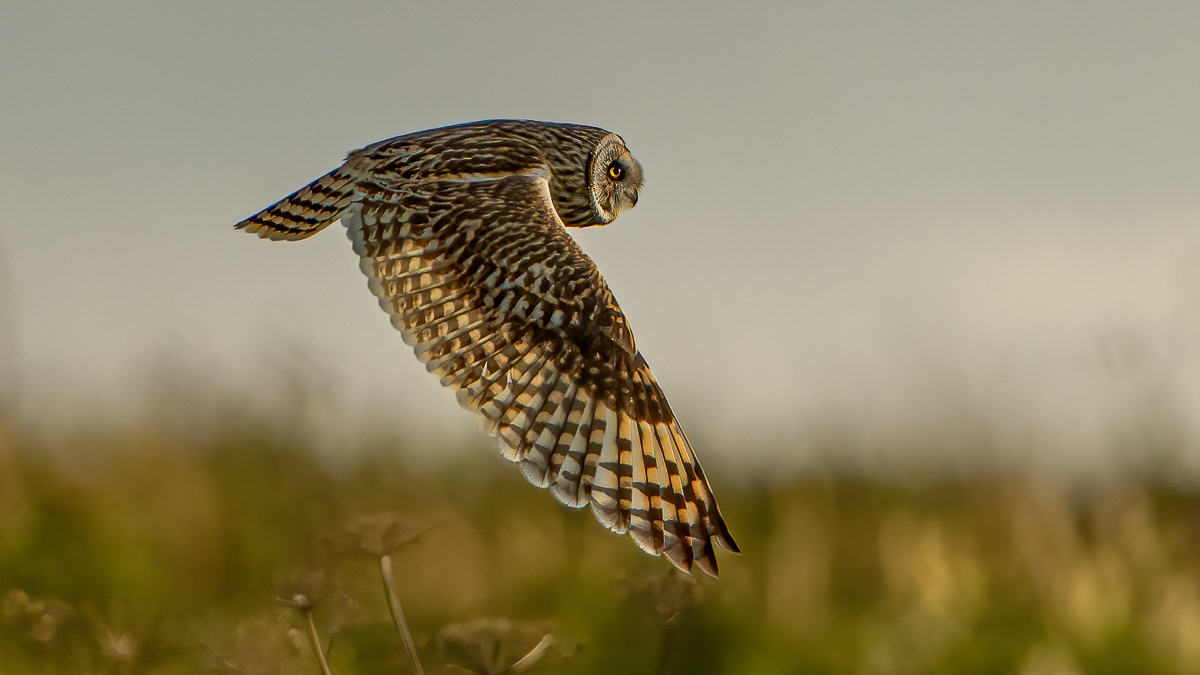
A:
{"x":614,"y":178}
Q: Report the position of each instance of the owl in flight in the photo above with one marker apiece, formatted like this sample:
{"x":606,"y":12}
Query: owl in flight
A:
{"x":462,"y":235}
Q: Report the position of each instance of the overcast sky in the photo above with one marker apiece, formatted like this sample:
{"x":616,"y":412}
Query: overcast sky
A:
{"x":879,"y":213}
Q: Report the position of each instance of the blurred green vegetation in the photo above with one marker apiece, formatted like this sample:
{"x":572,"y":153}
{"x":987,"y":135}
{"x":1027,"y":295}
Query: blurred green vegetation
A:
{"x":162,"y":549}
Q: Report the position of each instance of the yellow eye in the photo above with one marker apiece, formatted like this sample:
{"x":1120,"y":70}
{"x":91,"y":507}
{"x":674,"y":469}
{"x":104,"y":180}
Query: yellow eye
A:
{"x":616,"y":171}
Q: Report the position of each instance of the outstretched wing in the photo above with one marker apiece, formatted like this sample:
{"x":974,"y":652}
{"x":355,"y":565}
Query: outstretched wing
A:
{"x":482,"y":279}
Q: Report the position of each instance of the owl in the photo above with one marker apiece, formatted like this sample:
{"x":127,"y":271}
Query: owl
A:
{"x":461,"y":232}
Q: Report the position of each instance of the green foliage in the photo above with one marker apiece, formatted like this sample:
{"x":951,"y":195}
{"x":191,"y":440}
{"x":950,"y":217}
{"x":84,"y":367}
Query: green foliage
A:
{"x":149,"y":551}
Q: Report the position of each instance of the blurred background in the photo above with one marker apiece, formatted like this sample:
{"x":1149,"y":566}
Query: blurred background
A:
{"x":921,"y":279}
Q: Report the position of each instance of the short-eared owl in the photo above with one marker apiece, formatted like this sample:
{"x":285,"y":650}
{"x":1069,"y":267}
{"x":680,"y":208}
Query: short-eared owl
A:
{"x":462,"y":234}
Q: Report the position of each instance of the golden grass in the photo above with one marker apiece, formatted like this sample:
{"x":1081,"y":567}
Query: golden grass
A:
{"x":149,"y":551}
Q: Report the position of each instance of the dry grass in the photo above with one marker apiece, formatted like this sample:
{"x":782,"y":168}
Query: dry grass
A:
{"x":149,"y":550}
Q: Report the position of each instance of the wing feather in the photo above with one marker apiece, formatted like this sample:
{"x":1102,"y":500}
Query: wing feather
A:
{"x":567,"y":484}
{"x":600,"y":478}
{"x":553,"y":439}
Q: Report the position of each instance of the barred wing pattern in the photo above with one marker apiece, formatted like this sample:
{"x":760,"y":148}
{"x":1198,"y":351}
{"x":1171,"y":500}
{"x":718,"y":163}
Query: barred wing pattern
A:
{"x":308,"y":210}
{"x":498,"y":300}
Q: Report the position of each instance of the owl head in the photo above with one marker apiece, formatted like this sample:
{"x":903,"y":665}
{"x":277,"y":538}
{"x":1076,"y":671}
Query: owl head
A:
{"x":594,"y":177}
{"x":614,"y":178}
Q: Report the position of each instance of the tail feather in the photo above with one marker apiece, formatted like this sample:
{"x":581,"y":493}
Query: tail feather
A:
{"x":306,"y":211}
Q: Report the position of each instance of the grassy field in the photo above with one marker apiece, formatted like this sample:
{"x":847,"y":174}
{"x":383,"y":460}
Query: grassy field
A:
{"x":153,"y":550}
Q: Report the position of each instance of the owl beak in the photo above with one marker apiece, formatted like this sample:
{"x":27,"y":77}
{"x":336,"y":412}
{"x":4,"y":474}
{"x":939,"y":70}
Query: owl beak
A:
{"x":633,"y":200}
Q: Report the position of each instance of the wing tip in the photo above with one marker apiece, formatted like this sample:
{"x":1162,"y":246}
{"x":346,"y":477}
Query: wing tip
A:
{"x":264,"y":230}
{"x":720,"y":533}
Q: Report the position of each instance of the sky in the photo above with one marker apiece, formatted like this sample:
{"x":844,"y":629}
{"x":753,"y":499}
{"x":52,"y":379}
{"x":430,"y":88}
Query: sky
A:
{"x":973,"y":222}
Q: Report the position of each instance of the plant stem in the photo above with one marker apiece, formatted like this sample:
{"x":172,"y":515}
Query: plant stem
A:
{"x":389,"y":591}
{"x":316,"y":642}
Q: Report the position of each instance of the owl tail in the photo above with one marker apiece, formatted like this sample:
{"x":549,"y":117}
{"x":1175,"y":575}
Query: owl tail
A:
{"x":306,"y":211}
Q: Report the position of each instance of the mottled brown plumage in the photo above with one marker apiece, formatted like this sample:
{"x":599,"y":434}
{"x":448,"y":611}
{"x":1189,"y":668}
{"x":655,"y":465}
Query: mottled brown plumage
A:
{"x":461,"y":235}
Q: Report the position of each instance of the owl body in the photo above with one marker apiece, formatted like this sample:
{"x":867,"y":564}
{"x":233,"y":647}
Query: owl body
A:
{"x":461,"y":234}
